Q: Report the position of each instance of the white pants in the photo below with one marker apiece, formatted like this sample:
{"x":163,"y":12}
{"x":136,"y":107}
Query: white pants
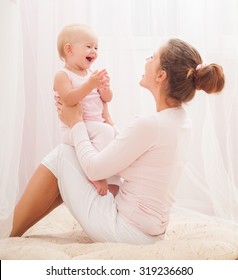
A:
{"x":97,"y":214}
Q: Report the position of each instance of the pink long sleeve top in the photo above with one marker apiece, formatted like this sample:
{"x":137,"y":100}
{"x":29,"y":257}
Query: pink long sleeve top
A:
{"x":149,"y":154}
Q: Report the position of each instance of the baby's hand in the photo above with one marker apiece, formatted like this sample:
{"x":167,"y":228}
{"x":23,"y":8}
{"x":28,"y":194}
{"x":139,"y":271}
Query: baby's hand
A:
{"x":104,"y":84}
{"x":97,"y":78}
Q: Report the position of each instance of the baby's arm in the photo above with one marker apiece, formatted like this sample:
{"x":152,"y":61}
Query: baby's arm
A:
{"x":106,"y":115}
{"x":106,"y":95}
{"x":72,"y":96}
{"x":104,"y":88}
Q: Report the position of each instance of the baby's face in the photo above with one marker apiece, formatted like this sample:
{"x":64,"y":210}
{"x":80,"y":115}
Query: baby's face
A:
{"x":85,"y":49}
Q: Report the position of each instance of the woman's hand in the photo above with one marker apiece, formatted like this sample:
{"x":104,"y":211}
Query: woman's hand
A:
{"x":70,"y":115}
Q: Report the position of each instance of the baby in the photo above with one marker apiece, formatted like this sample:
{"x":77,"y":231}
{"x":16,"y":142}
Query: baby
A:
{"x":75,"y":82}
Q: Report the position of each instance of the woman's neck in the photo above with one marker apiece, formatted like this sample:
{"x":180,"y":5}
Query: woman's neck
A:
{"x":163,"y":103}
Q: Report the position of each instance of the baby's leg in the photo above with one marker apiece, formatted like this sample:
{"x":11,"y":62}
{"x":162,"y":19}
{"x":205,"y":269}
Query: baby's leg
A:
{"x":101,"y":134}
{"x":65,"y":135}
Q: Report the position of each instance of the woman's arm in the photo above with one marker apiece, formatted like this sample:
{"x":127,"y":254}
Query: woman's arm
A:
{"x":128,"y":146}
{"x":137,"y":138}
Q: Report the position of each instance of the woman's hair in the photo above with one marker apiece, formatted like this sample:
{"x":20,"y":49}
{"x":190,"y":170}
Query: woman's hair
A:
{"x":68,"y":35}
{"x":186,"y":73}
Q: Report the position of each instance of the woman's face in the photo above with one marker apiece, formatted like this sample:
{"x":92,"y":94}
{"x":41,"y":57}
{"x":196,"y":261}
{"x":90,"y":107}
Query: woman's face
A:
{"x":151,"y":70}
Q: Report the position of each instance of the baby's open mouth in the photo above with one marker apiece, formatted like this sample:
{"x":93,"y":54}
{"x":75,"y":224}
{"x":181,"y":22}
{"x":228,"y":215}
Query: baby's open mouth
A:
{"x":89,"y":58}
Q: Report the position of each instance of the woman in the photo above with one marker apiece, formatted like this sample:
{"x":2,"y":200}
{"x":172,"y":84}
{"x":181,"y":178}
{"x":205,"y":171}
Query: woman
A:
{"x":149,"y":155}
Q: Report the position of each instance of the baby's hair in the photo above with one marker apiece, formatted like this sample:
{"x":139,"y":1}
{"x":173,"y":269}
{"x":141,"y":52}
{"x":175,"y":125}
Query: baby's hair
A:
{"x":180,"y":61}
{"x":68,"y":35}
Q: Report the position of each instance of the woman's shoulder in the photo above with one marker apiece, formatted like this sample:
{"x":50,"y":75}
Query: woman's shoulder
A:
{"x":146,"y":124}
{"x":164,"y":120}
{"x":173,"y":115}
{"x":167,"y":119}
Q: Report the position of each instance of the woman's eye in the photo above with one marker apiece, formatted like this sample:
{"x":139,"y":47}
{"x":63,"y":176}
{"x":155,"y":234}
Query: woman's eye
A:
{"x":149,"y":58}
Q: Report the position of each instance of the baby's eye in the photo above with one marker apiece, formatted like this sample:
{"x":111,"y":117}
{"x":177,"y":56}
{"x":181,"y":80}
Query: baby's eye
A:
{"x":89,"y":47}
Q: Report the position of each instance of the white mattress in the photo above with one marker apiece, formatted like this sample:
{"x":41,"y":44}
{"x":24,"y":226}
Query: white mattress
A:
{"x":189,"y":236}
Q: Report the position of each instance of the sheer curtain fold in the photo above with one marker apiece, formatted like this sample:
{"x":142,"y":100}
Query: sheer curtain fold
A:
{"x":129,"y":31}
{"x":12,"y":106}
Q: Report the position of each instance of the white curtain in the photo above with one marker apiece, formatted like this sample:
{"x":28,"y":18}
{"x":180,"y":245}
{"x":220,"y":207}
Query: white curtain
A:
{"x":129,"y":31}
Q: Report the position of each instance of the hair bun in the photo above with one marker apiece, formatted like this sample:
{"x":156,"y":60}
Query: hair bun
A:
{"x":209,"y":78}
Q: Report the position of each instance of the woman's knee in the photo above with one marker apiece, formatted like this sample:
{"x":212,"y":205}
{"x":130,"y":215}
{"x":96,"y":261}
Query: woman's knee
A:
{"x":68,"y":156}
{"x":65,"y":148}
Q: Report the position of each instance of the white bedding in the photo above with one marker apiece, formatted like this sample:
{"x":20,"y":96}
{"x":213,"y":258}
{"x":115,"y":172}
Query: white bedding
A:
{"x":59,"y":236}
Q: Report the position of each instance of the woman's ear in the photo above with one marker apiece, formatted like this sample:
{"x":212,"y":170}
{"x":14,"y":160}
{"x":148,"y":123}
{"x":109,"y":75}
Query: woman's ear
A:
{"x":68,"y":49}
{"x":161,"y":76}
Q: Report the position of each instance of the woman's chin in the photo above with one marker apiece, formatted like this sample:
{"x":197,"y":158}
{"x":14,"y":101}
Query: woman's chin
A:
{"x":141,"y":83}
